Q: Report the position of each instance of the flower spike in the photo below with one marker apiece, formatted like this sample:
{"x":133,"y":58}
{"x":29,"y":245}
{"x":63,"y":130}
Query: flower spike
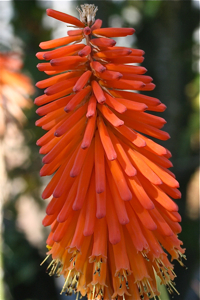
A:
{"x":111,"y":210}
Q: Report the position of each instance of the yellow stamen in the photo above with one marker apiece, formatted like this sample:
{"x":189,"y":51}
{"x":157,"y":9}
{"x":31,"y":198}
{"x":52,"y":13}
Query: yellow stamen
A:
{"x":50,"y":264}
{"x":173,"y":287}
{"x":66,"y":282}
{"x":44,"y":260}
{"x":93,"y":292}
{"x":77,"y":295}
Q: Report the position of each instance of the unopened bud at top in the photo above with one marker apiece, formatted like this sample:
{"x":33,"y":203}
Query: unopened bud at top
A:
{"x":88,"y":13}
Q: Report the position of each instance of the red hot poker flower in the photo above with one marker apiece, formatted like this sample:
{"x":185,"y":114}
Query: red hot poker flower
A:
{"x":15,"y":89}
{"x":111,"y":212}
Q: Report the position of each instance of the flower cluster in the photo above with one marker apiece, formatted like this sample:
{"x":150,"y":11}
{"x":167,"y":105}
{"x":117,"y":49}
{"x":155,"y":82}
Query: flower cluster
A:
{"x":111,"y":212}
{"x":15,"y":89}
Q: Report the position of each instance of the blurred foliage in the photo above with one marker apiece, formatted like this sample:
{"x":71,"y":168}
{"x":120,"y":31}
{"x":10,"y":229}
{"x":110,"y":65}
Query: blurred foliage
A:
{"x":21,"y":260}
{"x":164,"y":30}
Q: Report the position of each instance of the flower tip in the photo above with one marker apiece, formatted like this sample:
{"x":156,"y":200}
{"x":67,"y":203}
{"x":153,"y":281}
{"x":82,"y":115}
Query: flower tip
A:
{"x":66,"y":109}
{"x":124,"y":221}
{"x":87,"y":30}
{"x":76,"y":207}
{"x":41,"y":45}
{"x":167,"y":136}
{"x":73,"y":173}
{"x":36,"y":123}
{"x":48,"y":11}
{"x":38,"y":85}
{"x":150,"y":206}
{"x":38,"y":55}
{"x":75,"y":89}
{"x":45,"y":56}
{"x":142,"y":59}
{"x":85,"y":145}
{"x":100,"y":215}
{"x":44,"y":223}
{"x":56,"y":194}
{"x":80,"y":53}
{"x":100,"y":190}
{"x":60,"y":219}
{"x":144,"y":70}
{"x":177,"y":185}
{"x":35,"y":102}
{"x":102,"y":100}
{"x":115,"y":240}
{"x":56,"y":134}
{"x":38,"y":111}
{"x":40,"y":151}
{"x":43,"y":196}
{"x":152,"y":227}
{"x":119,"y":123}
{"x":97,"y":24}
{"x":127,"y":197}
{"x":133,"y":30}
{"x":113,"y":43}
{"x":53,"y":62}
{"x":88,"y":232}
{"x":159,"y":102}
{"x":101,"y":69}
{"x":44,"y":161}
{"x":132,"y":173}
{"x":89,"y":114}
{"x":150,"y":78}
{"x":112,"y":157}
{"x":41,"y":173}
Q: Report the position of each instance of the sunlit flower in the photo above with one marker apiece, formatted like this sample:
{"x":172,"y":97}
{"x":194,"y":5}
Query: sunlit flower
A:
{"x":15,"y":89}
{"x":111,"y":212}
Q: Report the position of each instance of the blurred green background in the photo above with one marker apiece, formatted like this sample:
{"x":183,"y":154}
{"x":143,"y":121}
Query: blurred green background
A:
{"x":168,"y":32}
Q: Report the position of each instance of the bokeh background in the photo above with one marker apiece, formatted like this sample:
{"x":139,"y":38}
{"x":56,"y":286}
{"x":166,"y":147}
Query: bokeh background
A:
{"x":169,"y":33}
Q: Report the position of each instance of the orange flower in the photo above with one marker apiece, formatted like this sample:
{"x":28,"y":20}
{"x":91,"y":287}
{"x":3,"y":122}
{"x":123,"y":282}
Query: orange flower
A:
{"x":111,"y":212}
{"x":15,"y":89}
